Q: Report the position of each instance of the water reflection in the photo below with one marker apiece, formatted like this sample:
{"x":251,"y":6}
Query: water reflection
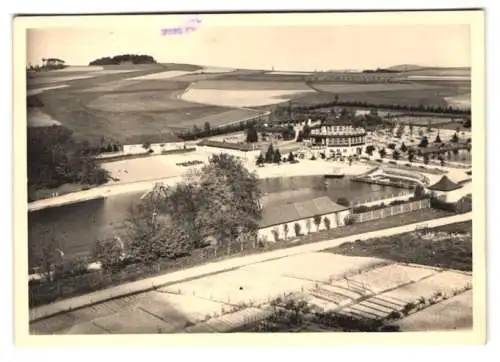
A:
{"x":77,"y":226}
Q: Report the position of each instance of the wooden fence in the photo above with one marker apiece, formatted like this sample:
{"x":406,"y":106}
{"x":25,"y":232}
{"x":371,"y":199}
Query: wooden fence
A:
{"x":392,"y":210}
{"x":384,"y":199}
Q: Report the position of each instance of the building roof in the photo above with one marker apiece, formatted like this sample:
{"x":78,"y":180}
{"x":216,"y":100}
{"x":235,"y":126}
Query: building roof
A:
{"x":334,"y":122}
{"x":229,"y":145}
{"x":281,"y":214}
{"x":272,"y":129}
{"x":445,"y":184}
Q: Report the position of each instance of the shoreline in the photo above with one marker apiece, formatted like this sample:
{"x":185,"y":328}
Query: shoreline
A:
{"x":303,"y":168}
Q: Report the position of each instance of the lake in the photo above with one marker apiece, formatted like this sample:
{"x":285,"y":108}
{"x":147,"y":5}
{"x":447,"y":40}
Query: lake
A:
{"x":76,"y":227}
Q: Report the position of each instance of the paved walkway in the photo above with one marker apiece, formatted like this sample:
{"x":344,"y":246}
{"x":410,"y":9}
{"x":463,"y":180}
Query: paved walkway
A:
{"x":221,"y":266}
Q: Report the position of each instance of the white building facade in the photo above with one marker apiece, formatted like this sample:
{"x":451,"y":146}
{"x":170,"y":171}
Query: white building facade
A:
{"x":337,"y":139}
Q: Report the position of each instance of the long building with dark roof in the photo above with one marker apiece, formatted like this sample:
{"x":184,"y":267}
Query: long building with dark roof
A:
{"x":337,"y":138}
{"x":303,"y":213}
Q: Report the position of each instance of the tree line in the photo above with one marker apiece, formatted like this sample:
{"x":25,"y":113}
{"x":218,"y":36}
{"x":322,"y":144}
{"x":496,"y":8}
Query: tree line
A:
{"x":55,"y":158}
{"x":400,"y":107}
{"x":118,"y":59}
{"x":207,"y":131}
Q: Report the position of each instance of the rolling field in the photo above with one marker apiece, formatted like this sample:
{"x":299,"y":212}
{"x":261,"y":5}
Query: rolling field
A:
{"x":361,"y":88}
{"x":138,"y":103}
{"x":128,"y":110}
{"x":412,"y":97}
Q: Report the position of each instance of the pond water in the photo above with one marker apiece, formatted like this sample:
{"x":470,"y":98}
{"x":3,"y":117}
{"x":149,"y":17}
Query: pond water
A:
{"x":76,"y":227}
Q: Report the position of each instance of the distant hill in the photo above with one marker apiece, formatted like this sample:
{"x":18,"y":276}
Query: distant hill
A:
{"x":124,"y":59}
{"x":405,"y":67}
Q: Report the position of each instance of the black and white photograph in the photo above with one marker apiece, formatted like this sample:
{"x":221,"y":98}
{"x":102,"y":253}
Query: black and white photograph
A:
{"x":251,"y":173}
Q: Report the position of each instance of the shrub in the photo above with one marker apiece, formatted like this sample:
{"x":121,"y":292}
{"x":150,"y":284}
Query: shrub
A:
{"x":369,"y":149}
{"x":308,"y":225}
{"x":317,"y":221}
{"x":397,"y":202}
{"x":419,"y":192}
{"x":442,"y":205}
{"x":285,"y":231}
{"x":75,"y":267}
{"x":379,"y":160}
{"x":361,"y":209}
{"x":327,"y":223}
{"x":394,"y":315}
{"x":276,"y":234}
{"x":349,"y":220}
{"x":391,"y":146}
{"x":408,"y":308}
{"x":108,"y":252}
{"x":297,"y":229}
{"x":390,"y":328}
{"x":313,"y":158}
{"x":343,"y":201}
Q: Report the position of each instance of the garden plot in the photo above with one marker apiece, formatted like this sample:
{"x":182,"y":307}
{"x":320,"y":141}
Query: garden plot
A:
{"x":444,"y":282}
{"x":454,"y":313}
{"x":390,"y":276}
{"x":178,"y":309}
{"x":437,"y":285}
{"x":238,"y":287}
{"x":315,"y":267}
{"x":133,"y":320}
{"x":240,"y":98}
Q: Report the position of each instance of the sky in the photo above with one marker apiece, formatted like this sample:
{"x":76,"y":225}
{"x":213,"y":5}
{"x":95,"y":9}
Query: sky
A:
{"x":301,"y":47}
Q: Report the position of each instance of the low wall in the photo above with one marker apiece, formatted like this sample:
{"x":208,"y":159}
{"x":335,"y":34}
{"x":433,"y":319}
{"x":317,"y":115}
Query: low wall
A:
{"x":392,"y":210}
